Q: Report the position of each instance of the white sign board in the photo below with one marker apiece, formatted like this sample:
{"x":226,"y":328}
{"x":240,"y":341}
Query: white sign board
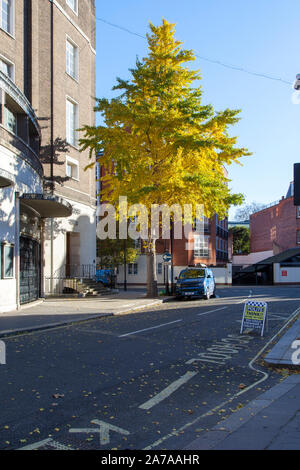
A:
{"x":255,"y":316}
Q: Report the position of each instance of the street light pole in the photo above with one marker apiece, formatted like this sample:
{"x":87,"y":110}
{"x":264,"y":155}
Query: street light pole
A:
{"x":172,"y":259}
{"x":125,"y":262}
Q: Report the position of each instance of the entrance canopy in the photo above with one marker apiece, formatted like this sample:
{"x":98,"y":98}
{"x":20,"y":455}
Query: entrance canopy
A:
{"x":6,"y":179}
{"x":47,"y":205}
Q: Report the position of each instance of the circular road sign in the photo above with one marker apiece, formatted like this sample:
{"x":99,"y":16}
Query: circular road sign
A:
{"x":167,"y":256}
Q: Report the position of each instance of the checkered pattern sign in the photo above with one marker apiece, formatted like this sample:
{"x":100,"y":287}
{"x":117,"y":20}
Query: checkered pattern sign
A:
{"x":254,"y":316}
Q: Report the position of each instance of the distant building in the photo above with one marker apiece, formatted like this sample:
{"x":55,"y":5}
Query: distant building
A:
{"x":276,"y":228}
{"x":211,"y":249}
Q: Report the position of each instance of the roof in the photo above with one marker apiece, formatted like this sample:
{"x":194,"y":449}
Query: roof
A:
{"x":279,"y":258}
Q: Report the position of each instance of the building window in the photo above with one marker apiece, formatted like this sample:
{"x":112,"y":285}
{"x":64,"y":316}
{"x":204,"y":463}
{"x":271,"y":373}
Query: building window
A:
{"x":71,"y":122}
{"x":6,"y":15}
{"x":7,"y":68}
{"x":298,"y":237}
{"x":73,"y":4}
{"x":71,"y":59}
{"x":159,"y":268}
{"x":132,"y":268}
{"x":10,"y":120}
{"x":7,"y":264}
{"x":201,"y":247}
{"x":72,"y":168}
{"x":298,"y":212}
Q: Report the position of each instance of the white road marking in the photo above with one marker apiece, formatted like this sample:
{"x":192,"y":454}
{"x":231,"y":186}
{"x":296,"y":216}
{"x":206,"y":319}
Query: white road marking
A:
{"x":211,"y":311}
{"x":224,"y":403}
{"x":167,"y":391}
{"x":46,"y":442}
{"x":150,"y":328}
{"x":103,"y":430}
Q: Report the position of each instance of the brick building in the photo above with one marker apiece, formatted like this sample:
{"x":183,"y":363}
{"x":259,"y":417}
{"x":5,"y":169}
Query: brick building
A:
{"x":274,"y":245}
{"x":276,"y":228}
{"x":210,"y":249}
{"x":47,"y":66}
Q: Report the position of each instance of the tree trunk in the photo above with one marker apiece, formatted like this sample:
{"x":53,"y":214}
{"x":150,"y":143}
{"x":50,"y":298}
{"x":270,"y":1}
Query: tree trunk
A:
{"x":152,"y":290}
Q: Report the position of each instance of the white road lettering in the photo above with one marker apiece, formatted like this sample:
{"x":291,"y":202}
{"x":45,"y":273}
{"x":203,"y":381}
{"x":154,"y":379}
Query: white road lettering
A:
{"x":221,"y":351}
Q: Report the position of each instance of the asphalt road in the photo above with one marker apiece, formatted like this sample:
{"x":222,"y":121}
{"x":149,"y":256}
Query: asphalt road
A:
{"x":156,"y":379}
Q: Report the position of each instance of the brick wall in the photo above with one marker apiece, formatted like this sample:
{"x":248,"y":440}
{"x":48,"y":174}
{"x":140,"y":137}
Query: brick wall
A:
{"x":275,"y":228}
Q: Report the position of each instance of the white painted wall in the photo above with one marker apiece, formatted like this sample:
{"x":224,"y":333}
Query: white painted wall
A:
{"x":222,"y":275}
{"x":292,"y":274}
{"x":26,"y":180}
{"x":83,"y":221}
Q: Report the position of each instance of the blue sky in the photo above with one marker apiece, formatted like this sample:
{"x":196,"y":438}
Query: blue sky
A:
{"x":261,"y":36}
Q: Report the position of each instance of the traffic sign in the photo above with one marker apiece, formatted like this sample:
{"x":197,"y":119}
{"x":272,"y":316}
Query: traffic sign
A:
{"x":167,"y":256}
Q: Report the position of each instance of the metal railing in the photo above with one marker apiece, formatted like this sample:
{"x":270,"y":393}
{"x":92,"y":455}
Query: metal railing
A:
{"x":76,"y":271}
{"x":67,"y":279}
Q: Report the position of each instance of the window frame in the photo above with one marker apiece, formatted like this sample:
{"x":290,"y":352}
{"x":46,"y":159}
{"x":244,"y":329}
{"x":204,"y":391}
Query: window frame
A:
{"x":133,"y":269}
{"x":70,"y":42}
{"x":201,"y":251}
{"x":7,"y":111}
{"x":11,"y":66}
{"x":75,"y":126}
{"x":71,"y":162}
{"x":11,"y":19}
{"x":4,"y":246}
{"x":70,"y":5}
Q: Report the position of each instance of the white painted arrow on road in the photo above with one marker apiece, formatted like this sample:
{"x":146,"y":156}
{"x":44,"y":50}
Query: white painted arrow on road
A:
{"x":103,"y":430}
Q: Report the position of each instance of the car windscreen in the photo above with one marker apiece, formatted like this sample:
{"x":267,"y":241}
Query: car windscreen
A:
{"x":192,"y":274}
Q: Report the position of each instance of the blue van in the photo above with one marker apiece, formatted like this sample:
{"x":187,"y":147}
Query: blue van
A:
{"x":195,"y":282}
{"x":106,"y":276}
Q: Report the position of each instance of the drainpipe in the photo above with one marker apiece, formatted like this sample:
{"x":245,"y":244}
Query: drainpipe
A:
{"x":51,"y":133}
{"x":17,"y":248}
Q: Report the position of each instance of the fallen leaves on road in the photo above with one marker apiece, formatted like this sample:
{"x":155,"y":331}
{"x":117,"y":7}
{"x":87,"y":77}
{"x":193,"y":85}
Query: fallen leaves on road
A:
{"x":58,"y":395}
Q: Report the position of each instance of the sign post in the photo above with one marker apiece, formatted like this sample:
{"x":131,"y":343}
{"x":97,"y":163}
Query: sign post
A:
{"x":167,"y":259}
{"x":255,"y":316}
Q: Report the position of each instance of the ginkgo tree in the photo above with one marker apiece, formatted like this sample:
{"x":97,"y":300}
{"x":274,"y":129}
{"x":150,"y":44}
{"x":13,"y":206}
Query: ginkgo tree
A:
{"x":164,"y":145}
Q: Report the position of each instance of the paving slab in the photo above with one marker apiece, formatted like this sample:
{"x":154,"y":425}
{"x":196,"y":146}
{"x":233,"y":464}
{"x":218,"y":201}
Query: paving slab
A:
{"x":272,"y":421}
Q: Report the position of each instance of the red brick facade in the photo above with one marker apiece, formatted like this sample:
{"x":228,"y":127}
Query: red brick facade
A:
{"x":275,"y":228}
{"x":217,"y":234}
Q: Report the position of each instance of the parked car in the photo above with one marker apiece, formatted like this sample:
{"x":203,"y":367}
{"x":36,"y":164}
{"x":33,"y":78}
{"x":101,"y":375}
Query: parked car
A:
{"x":195,"y":282}
{"x":106,"y":276}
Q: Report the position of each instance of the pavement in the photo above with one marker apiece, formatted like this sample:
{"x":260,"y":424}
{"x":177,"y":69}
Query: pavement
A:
{"x":53,"y":312}
{"x":271,"y":421}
